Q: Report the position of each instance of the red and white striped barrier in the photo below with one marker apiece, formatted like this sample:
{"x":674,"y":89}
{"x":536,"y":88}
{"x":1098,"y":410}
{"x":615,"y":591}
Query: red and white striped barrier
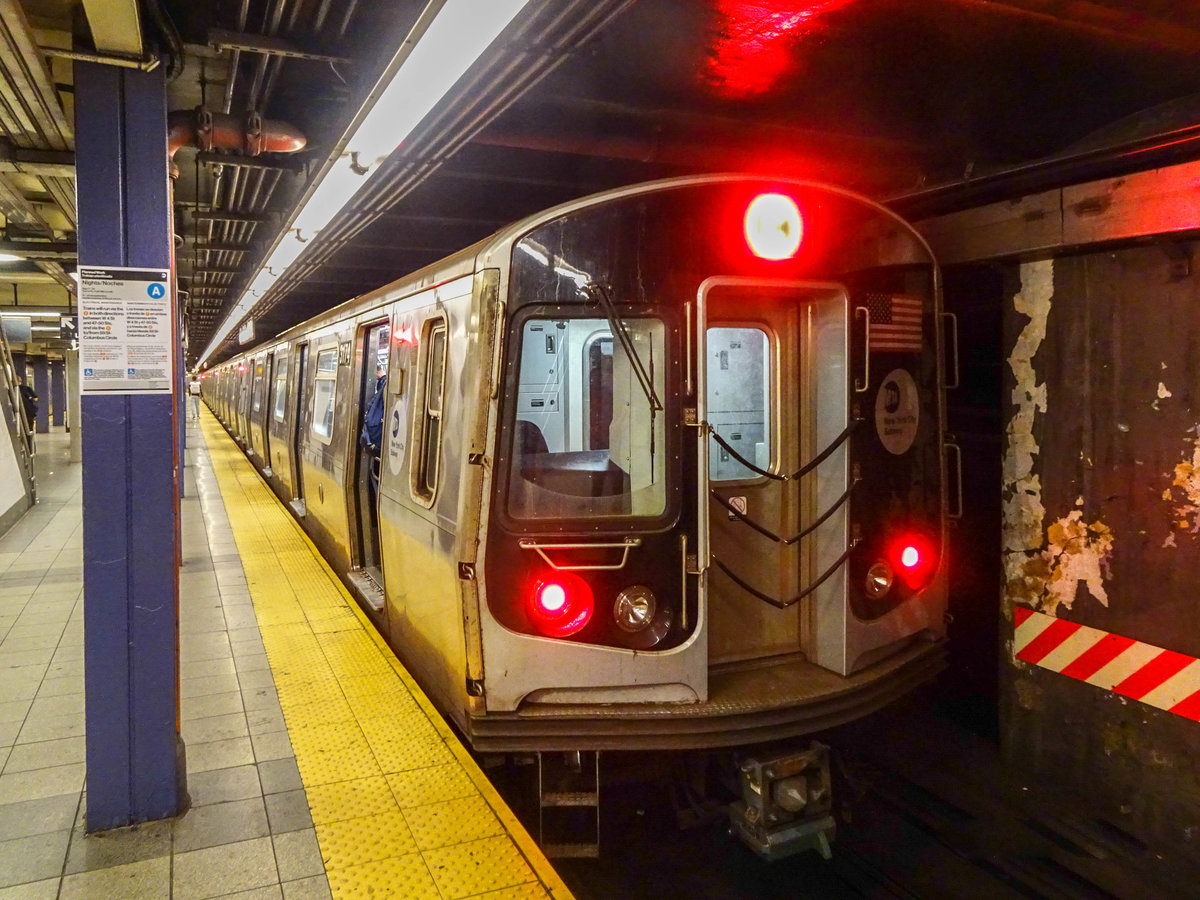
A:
{"x":1151,"y":675}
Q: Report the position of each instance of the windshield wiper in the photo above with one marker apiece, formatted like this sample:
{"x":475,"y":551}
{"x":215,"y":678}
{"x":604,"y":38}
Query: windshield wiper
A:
{"x":598,"y":293}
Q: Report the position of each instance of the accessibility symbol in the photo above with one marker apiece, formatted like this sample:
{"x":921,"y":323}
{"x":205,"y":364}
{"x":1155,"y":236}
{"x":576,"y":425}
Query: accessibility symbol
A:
{"x":88,"y":373}
{"x":131,"y":371}
{"x":157,"y":291}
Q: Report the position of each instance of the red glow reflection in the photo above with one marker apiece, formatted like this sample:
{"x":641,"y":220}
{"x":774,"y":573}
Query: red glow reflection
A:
{"x":405,"y":335}
{"x":754,"y":38}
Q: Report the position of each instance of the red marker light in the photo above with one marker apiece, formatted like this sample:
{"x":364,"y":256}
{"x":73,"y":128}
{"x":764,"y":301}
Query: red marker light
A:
{"x":551,"y":598}
{"x":773,"y":226}
{"x":241,"y":368}
{"x":561,"y":604}
{"x":914,"y":561}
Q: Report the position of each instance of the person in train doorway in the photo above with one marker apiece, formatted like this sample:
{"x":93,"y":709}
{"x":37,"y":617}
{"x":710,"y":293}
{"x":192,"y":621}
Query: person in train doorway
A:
{"x":29,"y":399}
{"x":371,"y":436}
{"x":194,"y":399}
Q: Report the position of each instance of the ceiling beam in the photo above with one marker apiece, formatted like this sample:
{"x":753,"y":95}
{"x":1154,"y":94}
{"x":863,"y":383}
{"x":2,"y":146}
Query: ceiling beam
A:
{"x":220,"y":39}
{"x":51,"y":163}
{"x":116,"y":26}
{"x":1109,"y":22}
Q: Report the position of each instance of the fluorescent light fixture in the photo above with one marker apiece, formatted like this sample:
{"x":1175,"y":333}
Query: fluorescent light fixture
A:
{"x":35,"y":313}
{"x":10,"y":257}
{"x":448,"y":37}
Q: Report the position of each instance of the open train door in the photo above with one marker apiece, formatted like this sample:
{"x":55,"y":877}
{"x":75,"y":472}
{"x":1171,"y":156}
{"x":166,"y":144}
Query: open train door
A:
{"x":772,"y":395}
{"x":777,"y":402}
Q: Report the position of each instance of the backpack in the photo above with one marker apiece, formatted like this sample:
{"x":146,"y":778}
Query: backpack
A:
{"x":372,"y":430}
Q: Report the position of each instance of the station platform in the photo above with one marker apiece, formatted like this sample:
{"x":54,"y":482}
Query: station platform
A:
{"x":316,"y":766}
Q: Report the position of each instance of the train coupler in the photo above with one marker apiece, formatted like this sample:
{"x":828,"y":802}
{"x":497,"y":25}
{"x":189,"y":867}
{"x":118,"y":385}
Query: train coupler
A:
{"x":786,"y":805}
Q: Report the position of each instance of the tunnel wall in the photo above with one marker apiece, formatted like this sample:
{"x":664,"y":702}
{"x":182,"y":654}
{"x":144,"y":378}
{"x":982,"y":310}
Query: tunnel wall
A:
{"x":1101,"y":524}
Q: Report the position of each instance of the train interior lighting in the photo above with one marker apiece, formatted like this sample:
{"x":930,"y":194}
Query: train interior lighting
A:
{"x":773,"y":226}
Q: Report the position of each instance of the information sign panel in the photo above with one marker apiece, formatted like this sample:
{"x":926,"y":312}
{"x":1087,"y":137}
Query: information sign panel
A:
{"x":126,"y":338}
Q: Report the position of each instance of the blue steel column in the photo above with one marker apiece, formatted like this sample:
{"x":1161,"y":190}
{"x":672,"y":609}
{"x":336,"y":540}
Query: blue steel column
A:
{"x":58,"y":392}
{"x":135,"y":761}
{"x":41,"y":384}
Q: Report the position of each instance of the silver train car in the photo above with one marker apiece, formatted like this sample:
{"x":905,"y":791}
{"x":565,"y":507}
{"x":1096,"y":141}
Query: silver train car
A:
{"x":663,"y":468}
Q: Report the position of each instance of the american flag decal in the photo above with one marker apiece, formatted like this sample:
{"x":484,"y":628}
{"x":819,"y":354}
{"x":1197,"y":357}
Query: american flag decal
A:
{"x":895,"y":323}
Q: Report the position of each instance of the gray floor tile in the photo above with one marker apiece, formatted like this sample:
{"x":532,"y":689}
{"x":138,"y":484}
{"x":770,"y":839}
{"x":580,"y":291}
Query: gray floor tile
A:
{"x":298,"y":855}
{"x":216,"y":755}
{"x":215,"y":728}
{"x":223,"y":785}
{"x":51,"y":728}
{"x":46,"y":754}
{"x":215,"y":871}
{"x":203,"y":668}
{"x":271,"y":745}
{"x":211,"y":705}
{"x":41,"y":816}
{"x":146,"y":880}
{"x":262,"y":721}
{"x":279,"y":775}
{"x":272,"y":892}
{"x":61,"y":705}
{"x":118,"y":846}
{"x":39,"y":783}
{"x":55,"y":687}
{"x":14,"y":710}
{"x":315,"y":888}
{"x":286,"y":812}
{"x":220,"y":823}
{"x":34,"y":890}
{"x":211,"y":684}
{"x":32,"y":858}
{"x":255,"y":679}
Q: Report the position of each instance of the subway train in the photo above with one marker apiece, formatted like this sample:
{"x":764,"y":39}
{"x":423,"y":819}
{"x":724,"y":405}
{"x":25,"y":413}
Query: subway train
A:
{"x":664,"y":468}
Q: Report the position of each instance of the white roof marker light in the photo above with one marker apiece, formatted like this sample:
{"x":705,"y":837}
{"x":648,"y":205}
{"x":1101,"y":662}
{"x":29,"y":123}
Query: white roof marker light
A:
{"x":448,"y":37}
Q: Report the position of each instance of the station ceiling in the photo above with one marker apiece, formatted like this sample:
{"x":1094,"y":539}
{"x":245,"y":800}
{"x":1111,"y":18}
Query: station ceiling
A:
{"x":895,"y":98}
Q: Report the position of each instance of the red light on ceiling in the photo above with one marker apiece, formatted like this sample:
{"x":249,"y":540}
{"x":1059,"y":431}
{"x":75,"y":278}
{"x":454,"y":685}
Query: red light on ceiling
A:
{"x":914,"y":561}
{"x":752,"y":51}
{"x":561,"y":604}
{"x":773,"y":226}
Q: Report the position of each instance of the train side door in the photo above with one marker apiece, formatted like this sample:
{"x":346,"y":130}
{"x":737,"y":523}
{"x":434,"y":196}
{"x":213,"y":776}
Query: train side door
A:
{"x":772,"y":393}
{"x":375,"y":344}
{"x":300,"y":393}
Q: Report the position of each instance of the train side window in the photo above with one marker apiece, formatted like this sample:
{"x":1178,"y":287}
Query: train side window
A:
{"x":257,"y":391}
{"x":433,"y":368}
{"x":739,"y":400}
{"x":323,"y":394}
{"x":281,"y":370}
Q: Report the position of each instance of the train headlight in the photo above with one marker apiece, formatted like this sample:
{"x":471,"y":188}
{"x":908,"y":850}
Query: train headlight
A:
{"x":773,"y":226}
{"x":879,"y":580}
{"x":637,"y":613}
{"x":561,"y":604}
{"x":635,"y":608}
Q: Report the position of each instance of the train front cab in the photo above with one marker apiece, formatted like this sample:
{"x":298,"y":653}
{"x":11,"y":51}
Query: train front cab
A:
{"x":665,"y":385}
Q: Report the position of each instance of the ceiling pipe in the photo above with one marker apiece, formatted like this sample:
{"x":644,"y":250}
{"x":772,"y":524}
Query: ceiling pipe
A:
{"x":207,"y":130}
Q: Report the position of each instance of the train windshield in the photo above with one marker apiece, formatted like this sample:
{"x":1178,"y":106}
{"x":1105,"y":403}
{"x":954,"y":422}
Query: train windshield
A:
{"x":587,"y":439}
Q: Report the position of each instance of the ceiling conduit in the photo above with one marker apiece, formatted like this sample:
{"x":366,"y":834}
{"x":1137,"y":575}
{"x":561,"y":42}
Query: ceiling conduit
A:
{"x":207,"y":130}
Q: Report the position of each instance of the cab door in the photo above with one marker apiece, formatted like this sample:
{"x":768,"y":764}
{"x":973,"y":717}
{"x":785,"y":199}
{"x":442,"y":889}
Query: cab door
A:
{"x":772,"y":394}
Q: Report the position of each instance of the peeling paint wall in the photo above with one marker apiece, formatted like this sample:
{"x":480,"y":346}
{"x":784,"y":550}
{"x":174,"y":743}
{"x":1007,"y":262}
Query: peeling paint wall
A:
{"x":1043,"y":566}
{"x":1101,"y":517}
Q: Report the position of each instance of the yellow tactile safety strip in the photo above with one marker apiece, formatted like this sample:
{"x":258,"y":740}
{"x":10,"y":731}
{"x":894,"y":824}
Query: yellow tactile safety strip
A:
{"x":400,"y":808}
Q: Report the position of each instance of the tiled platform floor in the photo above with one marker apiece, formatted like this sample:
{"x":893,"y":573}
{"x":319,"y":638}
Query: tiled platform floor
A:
{"x":250,"y":830}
